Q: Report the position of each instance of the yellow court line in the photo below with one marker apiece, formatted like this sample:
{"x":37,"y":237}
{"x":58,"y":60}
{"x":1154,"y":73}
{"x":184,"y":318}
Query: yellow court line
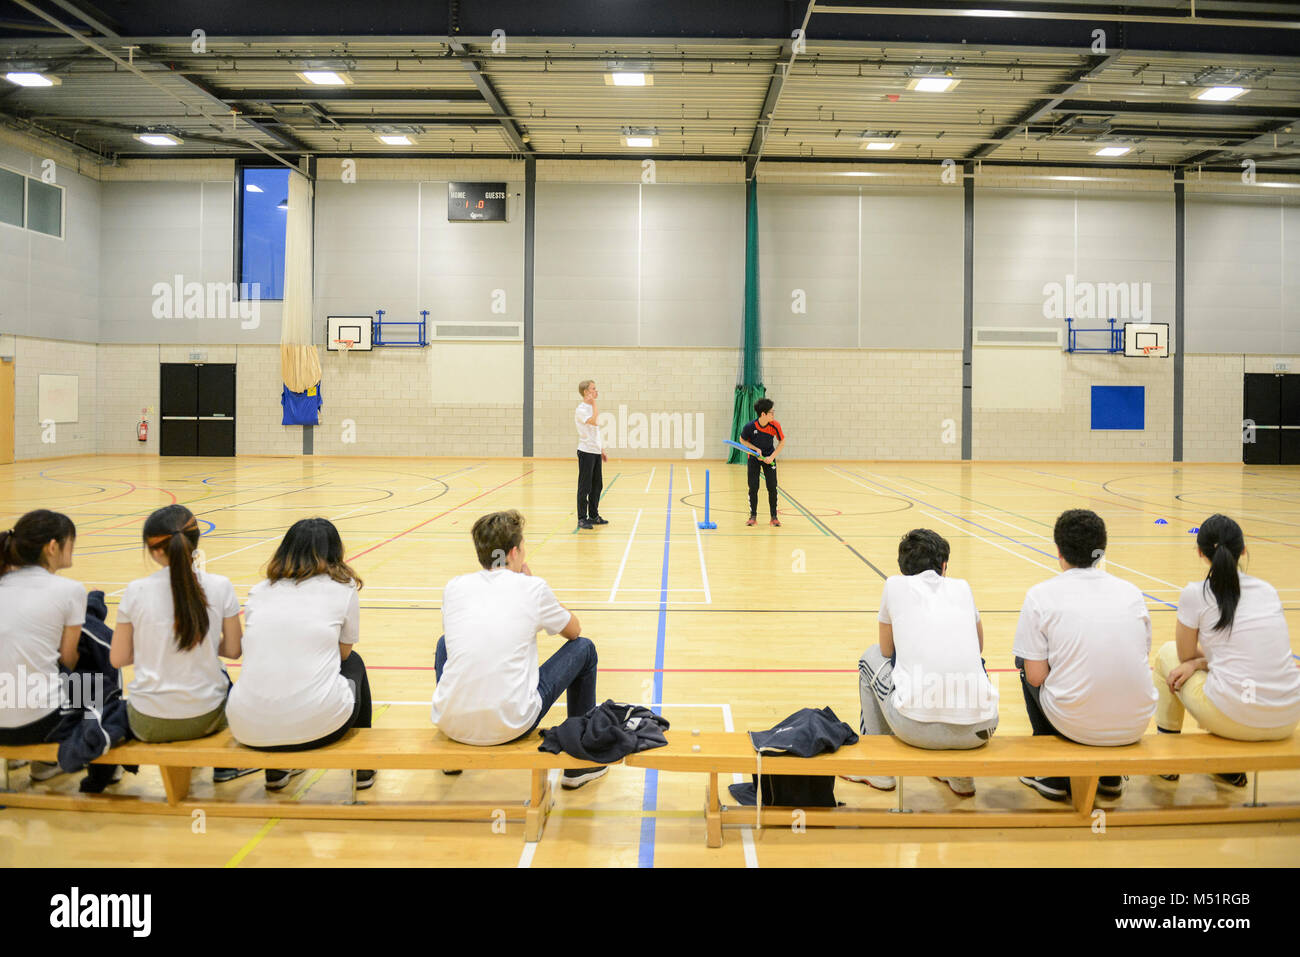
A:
{"x":256,"y":839}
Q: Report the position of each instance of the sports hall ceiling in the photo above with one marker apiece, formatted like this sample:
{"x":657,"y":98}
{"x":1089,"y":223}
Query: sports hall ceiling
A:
{"x":728,"y":81}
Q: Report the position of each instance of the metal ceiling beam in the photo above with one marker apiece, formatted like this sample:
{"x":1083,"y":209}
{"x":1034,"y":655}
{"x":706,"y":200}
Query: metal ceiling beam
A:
{"x":130,"y":67}
{"x":1213,"y":111}
{"x":349,"y":95}
{"x":1095,"y":66}
{"x":774,"y":87}
{"x":510,"y":128}
{"x":1265,"y":138}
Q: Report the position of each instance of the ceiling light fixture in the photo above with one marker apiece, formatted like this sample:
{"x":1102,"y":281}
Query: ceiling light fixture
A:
{"x":325,"y":77}
{"x":1112,"y":151}
{"x":1219,"y":94}
{"x":159,"y":139}
{"x":31,"y":78}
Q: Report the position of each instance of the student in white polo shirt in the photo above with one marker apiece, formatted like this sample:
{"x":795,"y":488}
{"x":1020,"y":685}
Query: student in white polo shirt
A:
{"x":590,"y":456}
{"x":925,"y":682}
{"x":41,"y":614}
{"x":302,"y":686}
{"x":1082,"y":643}
{"x":1230,"y":662}
{"x":172,"y":626}
{"x":490,"y":687}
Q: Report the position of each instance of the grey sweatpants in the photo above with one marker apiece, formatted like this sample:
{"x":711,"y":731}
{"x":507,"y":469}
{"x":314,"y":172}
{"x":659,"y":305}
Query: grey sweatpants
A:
{"x":879,"y":716}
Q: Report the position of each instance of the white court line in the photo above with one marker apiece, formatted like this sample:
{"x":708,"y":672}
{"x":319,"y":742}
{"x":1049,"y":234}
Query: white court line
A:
{"x":1108,"y":561}
{"x":623,"y":564}
{"x":689,"y":487}
{"x":457,"y":473}
{"x":849,"y":478}
{"x":704,"y":572}
{"x":651,"y":478}
{"x":263,"y":541}
{"x":746,"y":833}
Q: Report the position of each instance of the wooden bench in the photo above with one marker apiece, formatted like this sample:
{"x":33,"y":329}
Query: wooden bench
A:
{"x":395,"y":749}
{"x":1004,"y":756}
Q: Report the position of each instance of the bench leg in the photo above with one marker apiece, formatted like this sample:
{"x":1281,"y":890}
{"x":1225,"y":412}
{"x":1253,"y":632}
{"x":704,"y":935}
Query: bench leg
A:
{"x":713,"y":814}
{"x":539,"y":806}
{"x":176,"y":782}
{"x":1083,"y":794}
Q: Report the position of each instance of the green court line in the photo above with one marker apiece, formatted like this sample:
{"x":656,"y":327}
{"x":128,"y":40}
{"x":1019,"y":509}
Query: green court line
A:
{"x":806,"y":514}
{"x":602,"y":496}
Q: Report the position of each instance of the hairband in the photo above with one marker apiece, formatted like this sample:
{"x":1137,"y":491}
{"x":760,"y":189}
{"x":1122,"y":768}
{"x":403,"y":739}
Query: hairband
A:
{"x":155,"y":540}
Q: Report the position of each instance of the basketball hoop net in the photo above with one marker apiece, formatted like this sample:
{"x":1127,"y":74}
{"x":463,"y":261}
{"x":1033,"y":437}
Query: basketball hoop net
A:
{"x":1147,"y":350}
{"x":345,"y":345}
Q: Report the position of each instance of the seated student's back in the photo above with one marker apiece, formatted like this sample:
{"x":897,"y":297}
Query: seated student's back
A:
{"x":1252,"y":677}
{"x":488,"y":693}
{"x":39,"y":610}
{"x":1094,"y":631}
{"x":174,"y":644}
{"x":938,"y":674}
{"x":290,"y":690}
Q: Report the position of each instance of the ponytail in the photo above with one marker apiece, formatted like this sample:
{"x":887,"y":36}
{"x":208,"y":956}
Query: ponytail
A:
{"x":1221,"y":541}
{"x":175,"y":531}
{"x":24,"y":544}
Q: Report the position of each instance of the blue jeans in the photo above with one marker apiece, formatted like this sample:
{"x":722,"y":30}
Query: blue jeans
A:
{"x":572,"y":669}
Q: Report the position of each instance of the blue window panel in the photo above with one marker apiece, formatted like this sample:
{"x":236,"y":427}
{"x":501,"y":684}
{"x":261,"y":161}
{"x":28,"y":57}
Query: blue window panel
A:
{"x":262,"y":242}
{"x":1119,"y":407}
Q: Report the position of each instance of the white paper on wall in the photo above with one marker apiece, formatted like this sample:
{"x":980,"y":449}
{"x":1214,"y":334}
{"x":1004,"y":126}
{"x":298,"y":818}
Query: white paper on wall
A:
{"x":56,"y":398}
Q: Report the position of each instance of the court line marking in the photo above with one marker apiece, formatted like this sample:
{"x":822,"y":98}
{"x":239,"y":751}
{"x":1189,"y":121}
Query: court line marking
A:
{"x":746,"y":833}
{"x":690,"y":490}
{"x":704,"y":572}
{"x":646,"y":852}
{"x":923,"y":505}
{"x":367,"y":551}
{"x":266,"y":829}
{"x":626,"y":551}
{"x":651,"y":478}
{"x":1043,"y":537}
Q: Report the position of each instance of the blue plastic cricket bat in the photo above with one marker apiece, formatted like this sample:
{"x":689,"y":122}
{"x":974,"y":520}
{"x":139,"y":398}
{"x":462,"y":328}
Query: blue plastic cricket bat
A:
{"x":745,"y":449}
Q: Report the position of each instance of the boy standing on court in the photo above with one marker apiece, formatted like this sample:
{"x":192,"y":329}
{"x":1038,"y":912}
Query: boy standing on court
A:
{"x":590,"y":455}
{"x":765,"y":436}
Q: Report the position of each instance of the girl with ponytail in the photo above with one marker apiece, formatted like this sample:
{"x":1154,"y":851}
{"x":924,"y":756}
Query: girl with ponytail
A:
{"x":1230,"y":662}
{"x":172,"y":626}
{"x":41,"y":614}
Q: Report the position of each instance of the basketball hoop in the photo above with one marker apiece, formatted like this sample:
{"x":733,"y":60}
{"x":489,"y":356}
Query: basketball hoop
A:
{"x":1147,"y":350}
{"x":345,"y":345}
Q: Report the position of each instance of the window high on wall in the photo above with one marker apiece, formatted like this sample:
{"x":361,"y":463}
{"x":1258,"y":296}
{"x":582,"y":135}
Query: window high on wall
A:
{"x":263,"y":204}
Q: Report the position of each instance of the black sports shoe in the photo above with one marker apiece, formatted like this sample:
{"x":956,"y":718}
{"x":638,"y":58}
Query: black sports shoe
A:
{"x":451,"y":771}
{"x":583,"y":523}
{"x":1054,"y":789}
{"x":599,"y":521}
{"x":1238,"y":780}
{"x":222,"y":775}
{"x":577,"y":777}
{"x":365,"y":779}
{"x":1111,"y":786}
{"x":275,"y":780}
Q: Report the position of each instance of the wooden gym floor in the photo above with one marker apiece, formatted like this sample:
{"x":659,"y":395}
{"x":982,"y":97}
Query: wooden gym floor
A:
{"x":732,"y":628}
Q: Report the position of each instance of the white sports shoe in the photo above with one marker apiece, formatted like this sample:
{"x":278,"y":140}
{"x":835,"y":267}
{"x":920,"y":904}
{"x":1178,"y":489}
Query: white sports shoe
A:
{"x":879,"y":782}
{"x":962,"y":787}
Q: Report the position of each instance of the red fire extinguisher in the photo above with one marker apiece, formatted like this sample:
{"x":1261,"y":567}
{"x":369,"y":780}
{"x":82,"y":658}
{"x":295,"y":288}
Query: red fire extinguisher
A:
{"x":142,"y":430}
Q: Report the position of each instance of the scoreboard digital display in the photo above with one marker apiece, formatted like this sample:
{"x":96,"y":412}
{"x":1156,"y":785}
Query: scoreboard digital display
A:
{"x":476,"y":202}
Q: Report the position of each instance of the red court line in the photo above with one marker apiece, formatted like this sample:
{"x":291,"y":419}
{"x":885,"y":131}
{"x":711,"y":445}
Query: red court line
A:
{"x":707,"y":671}
{"x":352,"y":558}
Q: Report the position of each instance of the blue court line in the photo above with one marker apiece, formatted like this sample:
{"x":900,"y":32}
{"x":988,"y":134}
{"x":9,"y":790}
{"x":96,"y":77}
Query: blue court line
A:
{"x":646,"y":854}
{"x":968,"y":521}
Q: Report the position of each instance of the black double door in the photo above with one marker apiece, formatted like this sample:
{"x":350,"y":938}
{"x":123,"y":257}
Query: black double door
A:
{"x":197,"y":409}
{"x":1272,"y":412}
